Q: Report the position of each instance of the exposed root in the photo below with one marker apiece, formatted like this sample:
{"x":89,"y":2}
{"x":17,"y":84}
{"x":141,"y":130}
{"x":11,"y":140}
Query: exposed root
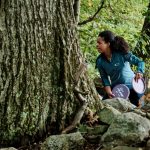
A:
{"x":76,"y":120}
{"x":81,"y":99}
{"x":91,"y":117}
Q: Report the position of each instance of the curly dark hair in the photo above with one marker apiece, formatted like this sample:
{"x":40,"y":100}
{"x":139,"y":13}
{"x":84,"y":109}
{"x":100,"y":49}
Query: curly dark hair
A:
{"x":117,"y":43}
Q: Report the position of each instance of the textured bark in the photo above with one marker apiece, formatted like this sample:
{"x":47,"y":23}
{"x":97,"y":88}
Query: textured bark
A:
{"x":77,"y":9}
{"x":145,"y":38}
{"x":39,"y":57}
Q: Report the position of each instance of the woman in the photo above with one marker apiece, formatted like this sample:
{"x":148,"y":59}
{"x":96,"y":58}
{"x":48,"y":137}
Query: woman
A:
{"x":114,"y":64}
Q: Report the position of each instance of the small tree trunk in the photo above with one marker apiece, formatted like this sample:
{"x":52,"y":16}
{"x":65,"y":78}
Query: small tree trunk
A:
{"x":144,"y":41}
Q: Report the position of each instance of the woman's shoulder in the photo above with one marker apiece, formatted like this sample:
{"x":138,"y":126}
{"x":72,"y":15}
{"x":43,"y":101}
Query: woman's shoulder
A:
{"x":122,"y":54}
{"x":100,"y":57}
{"x":128,"y":55}
{"x":119,"y":53}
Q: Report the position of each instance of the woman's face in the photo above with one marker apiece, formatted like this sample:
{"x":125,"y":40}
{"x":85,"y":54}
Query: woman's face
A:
{"x":102,"y":46}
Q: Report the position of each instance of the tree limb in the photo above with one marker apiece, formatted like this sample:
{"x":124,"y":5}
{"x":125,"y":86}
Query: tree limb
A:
{"x":92,"y":17}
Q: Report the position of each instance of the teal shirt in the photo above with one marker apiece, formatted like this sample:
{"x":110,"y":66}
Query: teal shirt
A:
{"x":118,"y":70}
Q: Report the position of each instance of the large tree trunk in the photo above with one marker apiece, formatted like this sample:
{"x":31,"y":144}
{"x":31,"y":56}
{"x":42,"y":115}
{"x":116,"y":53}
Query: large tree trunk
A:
{"x":39,"y":58}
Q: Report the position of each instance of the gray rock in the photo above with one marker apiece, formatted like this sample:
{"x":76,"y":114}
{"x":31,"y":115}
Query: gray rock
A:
{"x":123,"y":105}
{"x":100,"y":129}
{"x":108,"y":114}
{"x":126,"y":148}
{"x":123,"y":148}
{"x":9,"y":148}
{"x":128,"y":129}
{"x":119,"y":104}
{"x":72,"y":141}
{"x":96,"y":130}
{"x":146,"y":107}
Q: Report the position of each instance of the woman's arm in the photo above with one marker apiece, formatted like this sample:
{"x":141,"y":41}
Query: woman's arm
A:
{"x":103,"y":74}
{"x":132,"y":59}
{"x":106,"y":83}
{"x":105,"y":79}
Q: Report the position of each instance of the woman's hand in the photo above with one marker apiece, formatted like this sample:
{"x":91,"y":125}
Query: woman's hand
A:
{"x":111,"y":95}
{"x":109,"y":92}
{"x":138,"y":75}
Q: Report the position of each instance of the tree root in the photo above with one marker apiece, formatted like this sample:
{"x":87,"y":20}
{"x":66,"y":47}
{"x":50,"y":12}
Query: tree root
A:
{"x":81,"y":99}
{"x":76,"y":120}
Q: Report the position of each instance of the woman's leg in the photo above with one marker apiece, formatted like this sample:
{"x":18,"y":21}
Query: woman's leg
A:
{"x":134,"y":97}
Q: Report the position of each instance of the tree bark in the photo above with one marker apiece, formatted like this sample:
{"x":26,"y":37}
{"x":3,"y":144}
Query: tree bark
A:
{"x":39,"y":57}
{"x":144,"y":41}
{"x":76,"y":7}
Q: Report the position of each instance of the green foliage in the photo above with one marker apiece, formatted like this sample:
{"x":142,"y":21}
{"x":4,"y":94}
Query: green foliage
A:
{"x":125,"y":18}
